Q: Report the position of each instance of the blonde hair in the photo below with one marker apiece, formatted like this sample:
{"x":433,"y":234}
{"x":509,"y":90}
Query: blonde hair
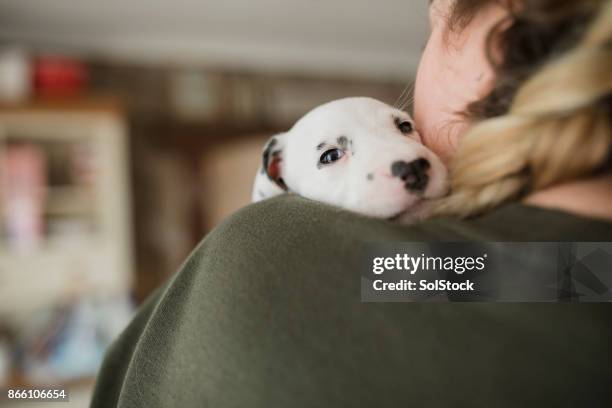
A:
{"x":558,"y":128}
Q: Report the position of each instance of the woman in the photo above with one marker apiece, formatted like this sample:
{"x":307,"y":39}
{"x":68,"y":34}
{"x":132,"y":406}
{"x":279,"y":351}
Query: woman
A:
{"x":266,"y":311}
{"x":557,"y":129}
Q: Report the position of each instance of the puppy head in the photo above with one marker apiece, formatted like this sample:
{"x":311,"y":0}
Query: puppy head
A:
{"x":355,"y":153}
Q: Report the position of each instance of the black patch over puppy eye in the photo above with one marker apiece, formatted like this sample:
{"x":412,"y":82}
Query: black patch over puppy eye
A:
{"x":404,"y":126}
{"x":331,"y":156}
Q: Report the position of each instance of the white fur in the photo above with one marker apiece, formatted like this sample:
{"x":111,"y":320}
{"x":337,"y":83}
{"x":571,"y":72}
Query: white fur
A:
{"x":375,"y":143}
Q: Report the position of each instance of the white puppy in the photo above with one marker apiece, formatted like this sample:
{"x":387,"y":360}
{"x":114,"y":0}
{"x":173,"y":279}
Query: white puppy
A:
{"x":356,"y":153}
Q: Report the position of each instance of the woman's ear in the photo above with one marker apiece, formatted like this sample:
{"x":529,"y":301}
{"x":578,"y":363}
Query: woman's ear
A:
{"x":269,"y":179}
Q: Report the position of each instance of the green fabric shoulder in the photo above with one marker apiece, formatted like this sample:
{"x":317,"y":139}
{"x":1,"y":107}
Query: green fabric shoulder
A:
{"x":266,"y":312}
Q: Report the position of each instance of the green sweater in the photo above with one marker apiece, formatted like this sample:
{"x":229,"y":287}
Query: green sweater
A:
{"x":266,"y":312}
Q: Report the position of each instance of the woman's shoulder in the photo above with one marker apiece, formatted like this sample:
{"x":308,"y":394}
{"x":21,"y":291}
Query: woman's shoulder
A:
{"x":291,"y":217}
{"x":293,"y":220}
{"x":271,"y":296}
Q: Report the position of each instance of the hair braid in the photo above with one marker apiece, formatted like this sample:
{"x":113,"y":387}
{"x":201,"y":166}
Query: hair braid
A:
{"x":558,"y":128}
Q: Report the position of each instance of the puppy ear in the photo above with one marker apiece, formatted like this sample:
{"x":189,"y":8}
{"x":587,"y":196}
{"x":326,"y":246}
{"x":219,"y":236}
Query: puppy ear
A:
{"x":269,"y":179}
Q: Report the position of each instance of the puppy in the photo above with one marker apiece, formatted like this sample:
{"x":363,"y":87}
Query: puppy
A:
{"x":356,"y":153}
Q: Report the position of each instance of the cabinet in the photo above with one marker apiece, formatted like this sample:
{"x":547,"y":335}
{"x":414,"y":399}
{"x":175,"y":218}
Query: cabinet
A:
{"x":64,"y":207}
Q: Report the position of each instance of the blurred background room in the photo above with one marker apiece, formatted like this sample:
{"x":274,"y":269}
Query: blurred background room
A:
{"x":129,"y":129}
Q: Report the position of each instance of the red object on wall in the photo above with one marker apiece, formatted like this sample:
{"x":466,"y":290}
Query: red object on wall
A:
{"x":56,"y":76}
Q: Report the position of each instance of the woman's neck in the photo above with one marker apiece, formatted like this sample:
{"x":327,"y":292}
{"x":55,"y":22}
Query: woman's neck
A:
{"x":589,"y":198}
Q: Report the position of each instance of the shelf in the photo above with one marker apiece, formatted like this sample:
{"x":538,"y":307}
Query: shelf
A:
{"x":70,"y":200}
{"x":98,"y":103}
{"x":88,"y":239}
{"x":19,"y":381}
{"x":53,"y":245}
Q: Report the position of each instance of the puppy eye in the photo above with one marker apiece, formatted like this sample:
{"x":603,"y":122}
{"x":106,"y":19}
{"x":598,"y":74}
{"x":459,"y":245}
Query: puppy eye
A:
{"x":404,"y":126}
{"x":331,"y":156}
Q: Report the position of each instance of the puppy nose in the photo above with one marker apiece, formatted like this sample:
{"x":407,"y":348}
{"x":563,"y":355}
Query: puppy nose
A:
{"x":414,"y":173}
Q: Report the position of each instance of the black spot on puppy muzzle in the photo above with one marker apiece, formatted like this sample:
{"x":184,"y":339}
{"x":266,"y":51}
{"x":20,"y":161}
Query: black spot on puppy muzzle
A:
{"x":414,"y":173}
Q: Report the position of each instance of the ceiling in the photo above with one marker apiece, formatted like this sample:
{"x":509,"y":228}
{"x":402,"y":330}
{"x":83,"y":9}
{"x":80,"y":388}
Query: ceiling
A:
{"x":343,"y":37}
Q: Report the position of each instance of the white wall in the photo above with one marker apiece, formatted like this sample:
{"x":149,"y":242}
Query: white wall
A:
{"x":354,"y":37}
